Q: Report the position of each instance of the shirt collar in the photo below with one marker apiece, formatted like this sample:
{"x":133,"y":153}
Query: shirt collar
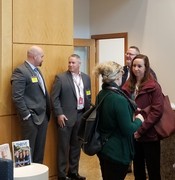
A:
{"x":31,"y":65}
{"x":74,"y":74}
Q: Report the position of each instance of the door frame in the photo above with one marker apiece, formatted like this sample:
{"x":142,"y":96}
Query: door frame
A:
{"x":112,"y":36}
{"x":93,"y":59}
{"x":90,"y":43}
{"x":109,"y":36}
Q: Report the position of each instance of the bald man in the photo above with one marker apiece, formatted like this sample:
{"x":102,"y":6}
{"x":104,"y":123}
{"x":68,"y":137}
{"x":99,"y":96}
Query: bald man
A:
{"x":31,"y":100}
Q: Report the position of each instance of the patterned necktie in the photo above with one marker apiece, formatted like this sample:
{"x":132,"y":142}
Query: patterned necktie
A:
{"x":40,"y":79}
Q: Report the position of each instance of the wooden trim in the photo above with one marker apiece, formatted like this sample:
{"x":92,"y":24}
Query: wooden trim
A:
{"x":83,"y":42}
{"x":109,"y":36}
{"x":90,"y":43}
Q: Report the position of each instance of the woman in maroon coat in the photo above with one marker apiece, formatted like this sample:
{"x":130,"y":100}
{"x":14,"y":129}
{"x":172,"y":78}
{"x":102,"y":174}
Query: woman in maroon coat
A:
{"x":145,"y":90}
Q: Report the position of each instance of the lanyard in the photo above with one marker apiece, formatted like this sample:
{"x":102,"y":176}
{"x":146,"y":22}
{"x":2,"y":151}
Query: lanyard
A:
{"x":79,"y":90}
{"x":78,"y":85}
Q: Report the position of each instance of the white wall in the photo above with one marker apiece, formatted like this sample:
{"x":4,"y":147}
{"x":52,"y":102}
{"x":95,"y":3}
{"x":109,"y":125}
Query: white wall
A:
{"x":81,"y":19}
{"x":150,"y":26}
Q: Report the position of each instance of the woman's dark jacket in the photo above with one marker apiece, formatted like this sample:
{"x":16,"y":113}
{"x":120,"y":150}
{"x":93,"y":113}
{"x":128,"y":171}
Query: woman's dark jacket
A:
{"x":116,"y":121}
{"x":150,"y":94}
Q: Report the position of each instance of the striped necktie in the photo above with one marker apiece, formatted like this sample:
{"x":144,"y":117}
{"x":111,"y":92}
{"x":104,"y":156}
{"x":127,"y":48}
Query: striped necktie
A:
{"x":40,"y":79}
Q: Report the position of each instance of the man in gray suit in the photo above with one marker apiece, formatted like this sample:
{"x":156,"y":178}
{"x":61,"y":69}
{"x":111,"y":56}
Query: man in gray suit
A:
{"x":71,"y":96}
{"x":131,"y":53}
{"x":32,"y":101}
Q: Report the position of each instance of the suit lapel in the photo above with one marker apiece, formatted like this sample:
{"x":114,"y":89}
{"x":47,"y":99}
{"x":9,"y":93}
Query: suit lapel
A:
{"x":29,"y":68}
{"x":83,"y":79}
{"x":33,"y":74}
{"x":70,"y":80}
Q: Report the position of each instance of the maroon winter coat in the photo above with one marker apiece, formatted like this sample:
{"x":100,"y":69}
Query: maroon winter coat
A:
{"x":150,"y":94}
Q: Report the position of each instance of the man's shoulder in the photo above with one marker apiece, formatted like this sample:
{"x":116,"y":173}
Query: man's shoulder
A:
{"x":85,"y":75}
{"x":22,"y":66}
{"x":22,"y":70}
{"x":125,"y":68}
{"x":63,"y":74}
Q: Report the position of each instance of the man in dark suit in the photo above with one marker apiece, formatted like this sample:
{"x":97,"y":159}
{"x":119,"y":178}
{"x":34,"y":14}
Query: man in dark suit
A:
{"x":131,"y":53}
{"x":71,"y":96}
{"x":32,"y":101}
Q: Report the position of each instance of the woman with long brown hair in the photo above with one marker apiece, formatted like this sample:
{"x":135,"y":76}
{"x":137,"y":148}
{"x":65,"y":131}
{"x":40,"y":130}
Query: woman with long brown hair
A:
{"x":146,"y":91}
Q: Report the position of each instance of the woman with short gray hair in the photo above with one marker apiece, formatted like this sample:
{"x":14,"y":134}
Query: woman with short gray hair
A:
{"x":116,"y":123}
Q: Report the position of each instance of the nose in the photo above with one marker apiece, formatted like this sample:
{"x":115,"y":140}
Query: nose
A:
{"x":136,"y":68}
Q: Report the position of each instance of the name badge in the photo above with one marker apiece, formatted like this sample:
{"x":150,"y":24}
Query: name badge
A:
{"x":80,"y":103}
{"x":88,"y":92}
{"x":34,"y":79}
{"x":80,"y":100}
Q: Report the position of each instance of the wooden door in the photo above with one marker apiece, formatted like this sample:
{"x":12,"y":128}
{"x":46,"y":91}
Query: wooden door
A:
{"x":88,"y":48}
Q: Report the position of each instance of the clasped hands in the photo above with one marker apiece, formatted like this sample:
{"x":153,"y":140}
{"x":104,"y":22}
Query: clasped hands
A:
{"x":139,"y":116}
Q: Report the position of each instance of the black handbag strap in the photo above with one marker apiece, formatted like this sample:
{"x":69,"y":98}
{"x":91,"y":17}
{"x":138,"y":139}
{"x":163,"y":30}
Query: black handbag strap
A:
{"x":99,"y":103}
{"x":104,"y":139}
{"x":131,"y":102}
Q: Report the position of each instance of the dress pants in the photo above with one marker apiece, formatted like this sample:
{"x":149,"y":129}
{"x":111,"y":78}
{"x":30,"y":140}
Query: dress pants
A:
{"x":36,"y":134}
{"x":69,"y":149}
{"x":111,"y":170}
{"x":147,"y":155}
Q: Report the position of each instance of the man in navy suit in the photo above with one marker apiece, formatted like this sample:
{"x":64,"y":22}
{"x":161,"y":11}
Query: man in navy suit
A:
{"x":31,"y":99}
{"x":71,"y":96}
{"x":131,"y":53}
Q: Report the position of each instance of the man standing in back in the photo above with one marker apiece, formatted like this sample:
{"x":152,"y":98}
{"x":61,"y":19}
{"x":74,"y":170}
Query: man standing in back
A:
{"x":131,"y":53}
{"x":71,"y":96}
{"x":31,"y":99}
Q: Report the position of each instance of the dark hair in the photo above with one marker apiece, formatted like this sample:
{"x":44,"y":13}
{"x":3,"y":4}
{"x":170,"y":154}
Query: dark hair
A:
{"x":147,"y":74}
{"x":136,"y":48}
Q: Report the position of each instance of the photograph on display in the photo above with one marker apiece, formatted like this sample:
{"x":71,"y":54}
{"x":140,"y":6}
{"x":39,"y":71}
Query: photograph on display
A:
{"x":21,"y":153}
{"x":5,"y":152}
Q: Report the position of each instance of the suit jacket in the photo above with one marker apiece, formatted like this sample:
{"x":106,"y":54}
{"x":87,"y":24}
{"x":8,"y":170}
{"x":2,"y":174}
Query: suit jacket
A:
{"x":125,"y":75}
{"x":64,"y":96}
{"x":27,"y":94}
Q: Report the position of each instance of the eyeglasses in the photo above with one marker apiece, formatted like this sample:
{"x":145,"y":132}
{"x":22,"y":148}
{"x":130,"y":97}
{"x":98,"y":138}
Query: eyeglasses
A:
{"x":130,"y":54}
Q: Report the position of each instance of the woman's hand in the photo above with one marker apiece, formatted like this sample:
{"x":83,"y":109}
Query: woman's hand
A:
{"x":136,"y":135}
{"x":139,"y":116}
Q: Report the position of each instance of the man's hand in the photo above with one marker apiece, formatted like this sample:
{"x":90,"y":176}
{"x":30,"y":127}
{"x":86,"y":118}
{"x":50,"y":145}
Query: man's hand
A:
{"x":61,"y":120}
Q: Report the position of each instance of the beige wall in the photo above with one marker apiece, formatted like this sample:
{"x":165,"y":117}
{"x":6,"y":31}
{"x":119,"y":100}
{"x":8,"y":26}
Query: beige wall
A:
{"x":150,"y":26}
{"x":23,"y":23}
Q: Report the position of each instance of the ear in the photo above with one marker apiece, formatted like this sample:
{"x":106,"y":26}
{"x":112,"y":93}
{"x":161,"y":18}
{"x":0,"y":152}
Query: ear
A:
{"x":34,"y":57}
